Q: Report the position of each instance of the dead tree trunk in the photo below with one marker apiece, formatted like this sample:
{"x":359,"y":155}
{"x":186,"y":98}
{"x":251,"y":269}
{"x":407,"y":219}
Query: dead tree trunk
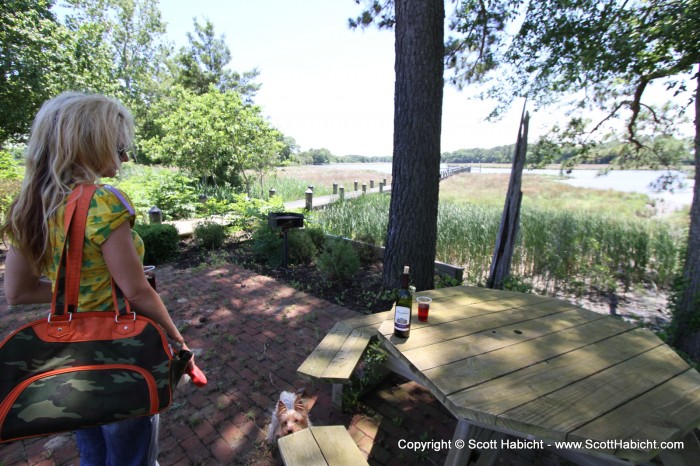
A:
{"x":510,"y":221}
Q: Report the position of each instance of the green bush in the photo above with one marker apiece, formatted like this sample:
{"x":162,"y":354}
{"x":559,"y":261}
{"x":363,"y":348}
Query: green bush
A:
{"x":317,"y":235}
{"x":9,"y":189}
{"x":339,"y":261}
{"x":170,"y":191}
{"x":301,"y":247}
{"x":367,"y":250}
{"x":210,"y":235}
{"x":160,"y":241}
{"x":10,"y":167}
{"x":267,"y":244}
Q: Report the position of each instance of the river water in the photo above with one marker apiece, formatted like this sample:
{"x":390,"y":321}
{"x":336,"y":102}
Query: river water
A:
{"x":637,"y":181}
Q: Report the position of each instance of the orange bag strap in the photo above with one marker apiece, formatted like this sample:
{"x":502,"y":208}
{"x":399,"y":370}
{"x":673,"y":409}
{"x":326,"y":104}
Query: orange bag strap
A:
{"x":75,"y":232}
{"x":67,"y":289}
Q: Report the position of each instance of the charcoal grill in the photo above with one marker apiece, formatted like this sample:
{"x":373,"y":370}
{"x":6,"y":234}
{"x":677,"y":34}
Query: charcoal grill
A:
{"x":285,"y":221}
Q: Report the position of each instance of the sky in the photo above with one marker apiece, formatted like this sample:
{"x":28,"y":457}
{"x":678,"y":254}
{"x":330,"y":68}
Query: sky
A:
{"x":323,"y":84}
{"x":328,"y":86}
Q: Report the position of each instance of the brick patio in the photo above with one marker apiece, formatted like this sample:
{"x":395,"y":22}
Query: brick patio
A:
{"x":251,"y":333}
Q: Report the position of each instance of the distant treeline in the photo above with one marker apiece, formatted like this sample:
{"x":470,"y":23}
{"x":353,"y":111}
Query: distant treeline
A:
{"x":672,"y":151}
{"x":499,"y":154}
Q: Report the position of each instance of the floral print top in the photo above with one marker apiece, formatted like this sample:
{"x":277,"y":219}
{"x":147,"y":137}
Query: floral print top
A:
{"x":109,"y":209}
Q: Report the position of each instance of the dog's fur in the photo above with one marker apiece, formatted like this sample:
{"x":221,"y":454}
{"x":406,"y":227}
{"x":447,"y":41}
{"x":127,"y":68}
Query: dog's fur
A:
{"x":289,"y":416}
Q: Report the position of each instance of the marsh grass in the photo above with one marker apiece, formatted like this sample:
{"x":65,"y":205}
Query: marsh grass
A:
{"x":291,"y":182}
{"x":557,"y":248}
{"x":490,"y":189}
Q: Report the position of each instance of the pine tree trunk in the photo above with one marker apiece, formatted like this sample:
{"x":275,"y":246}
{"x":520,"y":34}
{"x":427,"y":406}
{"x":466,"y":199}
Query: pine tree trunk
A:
{"x":412,"y":230}
{"x":686,"y":335}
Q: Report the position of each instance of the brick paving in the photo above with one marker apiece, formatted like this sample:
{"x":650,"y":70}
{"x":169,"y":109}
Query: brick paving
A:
{"x":251,"y":333}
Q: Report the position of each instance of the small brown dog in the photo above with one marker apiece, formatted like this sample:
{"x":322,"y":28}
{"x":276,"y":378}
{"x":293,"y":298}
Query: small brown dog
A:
{"x":289,"y":416}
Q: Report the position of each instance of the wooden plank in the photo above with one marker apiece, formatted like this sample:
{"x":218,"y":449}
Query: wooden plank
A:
{"x":343,"y":363}
{"x":337,"y":446}
{"x":367,"y":322}
{"x":661,"y":414}
{"x":438,"y":331}
{"x":520,"y":300}
{"x":317,"y":362}
{"x":525,"y":372}
{"x":457,"y":349}
{"x":554,"y":415}
{"x":441,"y":313}
{"x":300,"y":448}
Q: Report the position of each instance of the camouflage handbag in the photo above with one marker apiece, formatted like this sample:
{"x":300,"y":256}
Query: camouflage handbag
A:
{"x":82,"y":369}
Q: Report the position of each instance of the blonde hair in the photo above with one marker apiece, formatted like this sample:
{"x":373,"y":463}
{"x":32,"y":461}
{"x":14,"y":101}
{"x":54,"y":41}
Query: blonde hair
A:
{"x":75,"y":138}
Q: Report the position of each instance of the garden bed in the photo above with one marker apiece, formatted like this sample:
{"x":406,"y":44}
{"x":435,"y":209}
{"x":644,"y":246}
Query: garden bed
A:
{"x":363,"y":293}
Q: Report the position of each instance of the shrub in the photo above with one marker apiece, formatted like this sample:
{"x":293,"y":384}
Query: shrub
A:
{"x":9,"y":189}
{"x":160,"y":241}
{"x":367,"y":250}
{"x":267,"y":244}
{"x":10,"y":167}
{"x":210,"y":235}
{"x":317,"y":235}
{"x":339,"y":261}
{"x":301,"y":247}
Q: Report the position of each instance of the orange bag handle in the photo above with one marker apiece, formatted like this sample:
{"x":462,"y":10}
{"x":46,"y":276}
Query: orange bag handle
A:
{"x":63,"y":299}
{"x":75,"y":233}
{"x":67,"y":289}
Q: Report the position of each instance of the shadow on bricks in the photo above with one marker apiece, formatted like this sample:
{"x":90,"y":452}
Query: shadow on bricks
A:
{"x":250,"y":334}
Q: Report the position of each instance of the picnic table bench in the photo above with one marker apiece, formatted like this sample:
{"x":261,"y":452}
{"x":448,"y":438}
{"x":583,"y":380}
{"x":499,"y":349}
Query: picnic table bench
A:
{"x":320,"y":446}
{"x":336,"y":356}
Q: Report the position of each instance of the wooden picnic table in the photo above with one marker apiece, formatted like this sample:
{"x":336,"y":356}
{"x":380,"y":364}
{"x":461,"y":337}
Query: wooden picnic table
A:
{"x":547,"y":371}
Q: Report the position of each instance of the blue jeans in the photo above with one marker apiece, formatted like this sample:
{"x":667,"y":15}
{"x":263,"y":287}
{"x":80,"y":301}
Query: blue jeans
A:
{"x":133,"y":442}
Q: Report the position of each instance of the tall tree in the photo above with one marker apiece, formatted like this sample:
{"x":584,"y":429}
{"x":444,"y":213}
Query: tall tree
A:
{"x":30,"y":62}
{"x":412,"y":230}
{"x":204,"y":63}
{"x":118,"y":48}
{"x":420,"y":52}
{"x":215,"y":136}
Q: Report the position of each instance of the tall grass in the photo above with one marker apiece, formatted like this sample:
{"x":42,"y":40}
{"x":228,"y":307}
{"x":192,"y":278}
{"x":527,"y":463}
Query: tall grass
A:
{"x":363,"y":218}
{"x":555,"y":249}
{"x":291,"y":183}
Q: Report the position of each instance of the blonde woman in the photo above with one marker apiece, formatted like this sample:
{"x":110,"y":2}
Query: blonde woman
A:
{"x":77,"y":139}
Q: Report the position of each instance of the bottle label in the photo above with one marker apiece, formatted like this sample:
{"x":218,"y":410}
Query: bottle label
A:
{"x":402,"y":318}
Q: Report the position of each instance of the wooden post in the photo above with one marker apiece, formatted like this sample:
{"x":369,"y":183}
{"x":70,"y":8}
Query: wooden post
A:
{"x":371,"y":184}
{"x":272,"y":192}
{"x":309,"y":198}
{"x":510,"y":221}
{"x":381,"y":187}
{"x":341,"y":193}
{"x":155,"y":215}
{"x":355,"y":185}
{"x":335,"y":188}
{"x":364,"y":188}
